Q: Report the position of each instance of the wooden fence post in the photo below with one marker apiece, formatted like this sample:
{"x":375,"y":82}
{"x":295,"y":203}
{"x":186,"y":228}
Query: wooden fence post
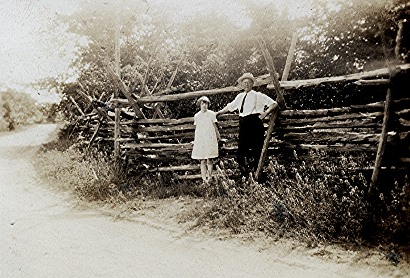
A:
{"x":382,"y":142}
{"x":90,"y":101}
{"x":272,"y":72}
{"x":124,"y":89}
{"x":289,"y":58}
{"x":399,"y":38}
{"x":117,"y":134}
{"x":280,"y":99}
{"x":383,"y":136}
{"x":77,"y":106}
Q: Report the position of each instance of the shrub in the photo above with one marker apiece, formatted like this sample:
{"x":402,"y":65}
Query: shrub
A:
{"x":325,"y":198}
{"x":319,"y":201}
{"x":390,"y":215}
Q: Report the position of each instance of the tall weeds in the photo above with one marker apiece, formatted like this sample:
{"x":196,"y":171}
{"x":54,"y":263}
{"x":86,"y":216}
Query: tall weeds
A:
{"x":90,"y":178}
{"x":319,"y":201}
{"x":322,"y":200}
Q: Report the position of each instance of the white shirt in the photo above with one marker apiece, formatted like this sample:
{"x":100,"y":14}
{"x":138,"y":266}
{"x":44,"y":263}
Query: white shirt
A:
{"x":255,"y":102}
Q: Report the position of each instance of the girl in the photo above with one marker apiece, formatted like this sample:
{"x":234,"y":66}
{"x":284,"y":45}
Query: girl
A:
{"x":206,"y":138}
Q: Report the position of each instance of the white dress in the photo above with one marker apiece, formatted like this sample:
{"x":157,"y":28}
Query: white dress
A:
{"x":205,"y":141}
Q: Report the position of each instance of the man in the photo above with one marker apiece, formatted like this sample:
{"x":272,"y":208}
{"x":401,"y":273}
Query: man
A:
{"x":251,"y":106}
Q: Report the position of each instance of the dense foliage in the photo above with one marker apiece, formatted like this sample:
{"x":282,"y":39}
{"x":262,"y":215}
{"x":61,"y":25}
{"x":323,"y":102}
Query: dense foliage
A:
{"x":211,"y":51}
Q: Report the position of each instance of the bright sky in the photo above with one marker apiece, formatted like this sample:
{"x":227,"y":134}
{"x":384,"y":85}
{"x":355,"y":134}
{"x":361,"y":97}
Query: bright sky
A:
{"x":32,"y":48}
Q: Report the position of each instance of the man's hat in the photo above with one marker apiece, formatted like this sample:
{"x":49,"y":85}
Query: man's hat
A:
{"x":247,"y":75}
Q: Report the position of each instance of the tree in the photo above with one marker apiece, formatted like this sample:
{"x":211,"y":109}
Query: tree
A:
{"x":210,"y":51}
{"x":344,"y":39}
{"x":18,"y":109}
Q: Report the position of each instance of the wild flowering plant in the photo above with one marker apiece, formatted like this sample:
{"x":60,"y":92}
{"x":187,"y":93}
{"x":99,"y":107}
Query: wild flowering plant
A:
{"x":311,"y":201}
{"x":325,"y":201}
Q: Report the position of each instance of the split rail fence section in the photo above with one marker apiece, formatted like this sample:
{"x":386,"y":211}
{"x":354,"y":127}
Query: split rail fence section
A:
{"x":167,"y":143}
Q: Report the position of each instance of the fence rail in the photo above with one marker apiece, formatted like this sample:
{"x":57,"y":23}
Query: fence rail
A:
{"x":357,"y":128}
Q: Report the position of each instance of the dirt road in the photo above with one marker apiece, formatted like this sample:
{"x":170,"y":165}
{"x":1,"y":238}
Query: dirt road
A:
{"x":44,"y":235}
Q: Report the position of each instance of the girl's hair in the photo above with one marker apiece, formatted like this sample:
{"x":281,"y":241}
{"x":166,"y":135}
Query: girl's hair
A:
{"x":203,"y":99}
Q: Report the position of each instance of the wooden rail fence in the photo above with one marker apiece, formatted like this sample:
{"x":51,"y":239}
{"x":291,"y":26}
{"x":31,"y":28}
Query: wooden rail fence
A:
{"x":166,"y":144}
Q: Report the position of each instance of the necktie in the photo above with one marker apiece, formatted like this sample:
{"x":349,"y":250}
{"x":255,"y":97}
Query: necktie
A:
{"x":243,"y":102}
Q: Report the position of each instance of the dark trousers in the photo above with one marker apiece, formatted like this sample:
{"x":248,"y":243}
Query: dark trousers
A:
{"x":251,"y":137}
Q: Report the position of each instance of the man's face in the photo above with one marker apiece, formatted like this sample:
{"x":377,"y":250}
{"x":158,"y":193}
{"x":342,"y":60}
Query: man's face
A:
{"x":247,"y":84}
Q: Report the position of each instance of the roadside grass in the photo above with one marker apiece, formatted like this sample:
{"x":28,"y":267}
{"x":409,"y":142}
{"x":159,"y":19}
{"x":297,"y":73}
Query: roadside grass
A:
{"x":323,"y":201}
{"x":94,"y":176}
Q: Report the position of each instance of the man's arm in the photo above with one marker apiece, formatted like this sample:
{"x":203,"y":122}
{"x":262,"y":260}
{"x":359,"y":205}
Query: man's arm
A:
{"x":272,"y":107}
{"x":232,"y":106}
{"x":222,"y":111}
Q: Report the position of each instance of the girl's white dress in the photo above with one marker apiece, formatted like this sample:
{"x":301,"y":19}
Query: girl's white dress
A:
{"x":205,"y":141}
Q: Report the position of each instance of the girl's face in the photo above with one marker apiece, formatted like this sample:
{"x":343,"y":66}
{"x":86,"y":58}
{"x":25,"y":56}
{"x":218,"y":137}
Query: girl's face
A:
{"x":204,"y":106}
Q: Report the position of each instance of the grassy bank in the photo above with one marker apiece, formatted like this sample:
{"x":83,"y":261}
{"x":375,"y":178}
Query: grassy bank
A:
{"x":323,"y":201}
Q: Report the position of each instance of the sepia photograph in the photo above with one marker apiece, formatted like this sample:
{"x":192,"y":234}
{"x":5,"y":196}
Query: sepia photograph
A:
{"x":205,"y":138}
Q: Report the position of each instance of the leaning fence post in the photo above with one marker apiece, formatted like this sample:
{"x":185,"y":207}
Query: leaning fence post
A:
{"x":117,"y":134}
{"x":279,"y":96}
{"x":382,"y":142}
{"x":383,"y":136}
